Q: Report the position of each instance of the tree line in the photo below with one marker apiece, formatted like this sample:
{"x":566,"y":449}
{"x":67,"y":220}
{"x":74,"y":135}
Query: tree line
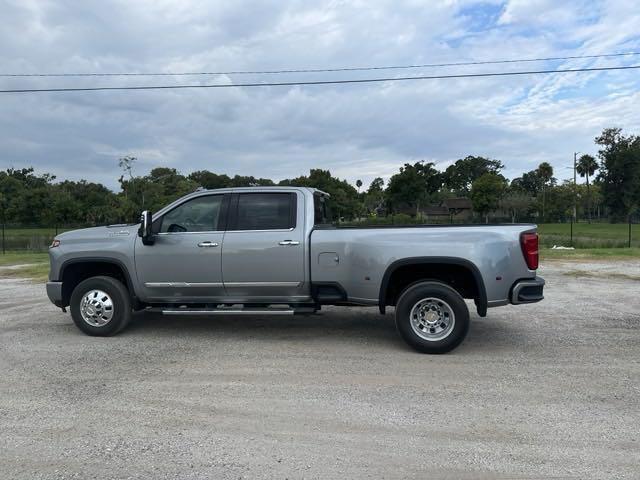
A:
{"x":611,"y":188}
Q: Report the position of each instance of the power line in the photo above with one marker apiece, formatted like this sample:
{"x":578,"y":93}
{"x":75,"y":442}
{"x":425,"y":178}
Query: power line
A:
{"x":318,"y":82}
{"x":321,"y":70}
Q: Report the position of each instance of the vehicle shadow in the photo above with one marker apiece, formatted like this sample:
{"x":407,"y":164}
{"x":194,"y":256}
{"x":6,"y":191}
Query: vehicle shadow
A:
{"x":364,"y":325}
{"x":338,"y":324}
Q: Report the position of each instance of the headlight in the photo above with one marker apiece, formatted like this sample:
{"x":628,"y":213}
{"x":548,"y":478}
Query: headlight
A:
{"x":55,"y":243}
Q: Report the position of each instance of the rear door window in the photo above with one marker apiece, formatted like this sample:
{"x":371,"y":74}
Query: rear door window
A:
{"x":265,"y":211}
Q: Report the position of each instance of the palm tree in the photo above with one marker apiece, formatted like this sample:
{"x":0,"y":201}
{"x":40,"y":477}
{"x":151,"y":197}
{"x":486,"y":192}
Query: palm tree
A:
{"x":586,"y":167}
{"x":358,"y":184}
{"x":545,"y":172}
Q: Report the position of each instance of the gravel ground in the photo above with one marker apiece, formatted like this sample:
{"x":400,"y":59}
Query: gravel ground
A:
{"x":536,"y":391}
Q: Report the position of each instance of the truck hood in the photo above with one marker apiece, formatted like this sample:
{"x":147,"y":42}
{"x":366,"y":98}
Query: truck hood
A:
{"x":99,"y":233}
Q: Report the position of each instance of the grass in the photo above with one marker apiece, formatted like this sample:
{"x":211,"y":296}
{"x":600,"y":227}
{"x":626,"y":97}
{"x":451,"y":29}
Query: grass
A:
{"x":35,"y":266}
{"x":18,"y":258}
{"x":38,"y":272}
{"x":590,"y":254}
{"x":585,"y":235}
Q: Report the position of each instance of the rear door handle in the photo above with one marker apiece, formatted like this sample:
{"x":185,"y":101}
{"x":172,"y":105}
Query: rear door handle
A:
{"x":289,"y":242}
{"x":207,"y":244}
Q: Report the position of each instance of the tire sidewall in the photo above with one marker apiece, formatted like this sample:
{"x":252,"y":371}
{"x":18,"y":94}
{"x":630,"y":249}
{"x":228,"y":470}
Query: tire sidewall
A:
{"x":121,"y":305}
{"x":419,"y":291}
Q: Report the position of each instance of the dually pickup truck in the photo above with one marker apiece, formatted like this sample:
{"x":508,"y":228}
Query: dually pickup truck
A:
{"x":273,"y":251}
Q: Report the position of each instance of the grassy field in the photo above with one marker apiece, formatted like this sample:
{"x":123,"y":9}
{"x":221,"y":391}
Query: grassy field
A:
{"x":594,"y":235}
{"x":29,"y":265}
{"x":19,"y":258}
{"x":613,"y":254}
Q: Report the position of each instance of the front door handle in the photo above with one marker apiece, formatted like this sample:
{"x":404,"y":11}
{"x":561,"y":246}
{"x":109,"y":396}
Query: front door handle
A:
{"x":289,"y":242}
{"x":207,"y":244}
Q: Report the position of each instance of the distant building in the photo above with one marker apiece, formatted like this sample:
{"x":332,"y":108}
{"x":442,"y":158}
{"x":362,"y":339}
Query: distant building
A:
{"x":458,"y":208}
{"x":435,"y":211}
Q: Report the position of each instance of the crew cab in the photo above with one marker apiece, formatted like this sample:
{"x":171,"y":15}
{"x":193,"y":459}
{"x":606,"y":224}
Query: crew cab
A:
{"x":274,"y":251}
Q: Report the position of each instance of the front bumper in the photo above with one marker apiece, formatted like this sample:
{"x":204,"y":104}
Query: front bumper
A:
{"x":527,"y":291}
{"x":54,"y":292}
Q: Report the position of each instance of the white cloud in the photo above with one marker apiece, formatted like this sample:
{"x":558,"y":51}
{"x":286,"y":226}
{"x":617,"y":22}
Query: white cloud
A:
{"x":357,"y":131}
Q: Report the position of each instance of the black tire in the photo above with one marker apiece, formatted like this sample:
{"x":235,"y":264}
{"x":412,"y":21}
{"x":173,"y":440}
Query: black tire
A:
{"x":436,"y":290}
{"x":121,"y":305}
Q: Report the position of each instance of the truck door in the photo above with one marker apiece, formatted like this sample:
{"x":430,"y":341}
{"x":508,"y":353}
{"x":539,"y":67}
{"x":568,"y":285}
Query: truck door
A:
{"x":184,"y":263}
{"x":263,"y":249}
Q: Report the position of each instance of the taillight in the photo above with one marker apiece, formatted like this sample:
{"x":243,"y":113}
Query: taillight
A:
{"x":529,"y":244}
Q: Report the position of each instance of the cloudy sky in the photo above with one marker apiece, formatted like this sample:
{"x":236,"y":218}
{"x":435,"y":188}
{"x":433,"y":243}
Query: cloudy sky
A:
{"x":356,"y":131}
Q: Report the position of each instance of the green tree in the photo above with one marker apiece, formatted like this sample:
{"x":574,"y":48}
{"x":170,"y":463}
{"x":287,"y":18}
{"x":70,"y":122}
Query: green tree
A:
{"x":596,"y":199}
{"x":358,"y":184}
{"x":151,"y":192}
{"x":126,"y":164}
{"x":460,"y":176}
{"x":82,"y":203}
{"x":486,"y":193}
{"x":619,"y":175}
{"x":344,"y":197}
{"x":210,"y":180}
{"x":413,"y":186}
{"x":586,"y":167}
{"x":374,"y":196}
{"x":376,"y":186}
{"x":27,"y":196}
{"x":561,"y":200}
{"x":530,"y":182}
{"x":545,"y":173}
{"x":516,"y":203}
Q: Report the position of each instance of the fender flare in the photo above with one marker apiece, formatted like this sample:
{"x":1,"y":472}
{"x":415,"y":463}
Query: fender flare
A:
{"x":481,"y":301}
{"x":112,"y":261}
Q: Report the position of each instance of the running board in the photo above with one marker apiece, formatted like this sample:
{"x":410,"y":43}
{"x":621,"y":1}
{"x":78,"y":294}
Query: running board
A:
{"x":242,"y":311}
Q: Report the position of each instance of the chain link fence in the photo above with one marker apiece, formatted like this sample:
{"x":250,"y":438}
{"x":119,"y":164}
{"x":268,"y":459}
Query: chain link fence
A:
{"x":596,"y":234}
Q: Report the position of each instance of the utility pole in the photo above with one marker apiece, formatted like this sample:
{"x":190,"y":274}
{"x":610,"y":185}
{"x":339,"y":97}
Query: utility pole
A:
{"x":575,"y":186}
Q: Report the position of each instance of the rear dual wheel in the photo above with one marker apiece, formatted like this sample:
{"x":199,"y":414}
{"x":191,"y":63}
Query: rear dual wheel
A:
{"x":432,"y":317}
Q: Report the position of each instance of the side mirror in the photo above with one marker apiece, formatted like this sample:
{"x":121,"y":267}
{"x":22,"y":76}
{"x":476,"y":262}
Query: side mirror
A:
{"x":145,"y":231}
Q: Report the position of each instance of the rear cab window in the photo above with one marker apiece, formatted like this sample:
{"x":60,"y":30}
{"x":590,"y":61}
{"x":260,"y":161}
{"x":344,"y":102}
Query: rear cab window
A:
{"x":264,"y":211}
{"x":322,"y":210}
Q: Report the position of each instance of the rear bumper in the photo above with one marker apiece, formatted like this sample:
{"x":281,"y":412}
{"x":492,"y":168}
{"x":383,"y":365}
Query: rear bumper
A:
{"x":527,"y":291}
{"x":54,"y":292}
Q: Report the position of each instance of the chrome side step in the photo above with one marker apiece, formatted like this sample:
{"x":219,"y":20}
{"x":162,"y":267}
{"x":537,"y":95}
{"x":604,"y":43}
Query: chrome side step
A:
{"x":223,"y":311}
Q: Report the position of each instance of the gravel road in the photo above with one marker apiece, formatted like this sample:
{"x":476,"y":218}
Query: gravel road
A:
{"x":536,"y":391}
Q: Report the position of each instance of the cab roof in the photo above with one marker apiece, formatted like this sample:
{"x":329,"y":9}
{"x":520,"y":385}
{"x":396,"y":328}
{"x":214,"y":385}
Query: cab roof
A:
{"x":313,"y":191}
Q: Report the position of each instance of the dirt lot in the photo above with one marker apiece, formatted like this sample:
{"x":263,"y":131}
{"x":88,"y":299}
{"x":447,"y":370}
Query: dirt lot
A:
{"x":546,"y":390}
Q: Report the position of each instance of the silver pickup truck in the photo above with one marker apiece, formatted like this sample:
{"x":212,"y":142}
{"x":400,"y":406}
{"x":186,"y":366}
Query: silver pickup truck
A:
{"x":274,"y":251}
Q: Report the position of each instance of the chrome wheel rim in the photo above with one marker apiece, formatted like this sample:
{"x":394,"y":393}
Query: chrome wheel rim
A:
{"x":432,"y":319}
{"x":96,"y":308}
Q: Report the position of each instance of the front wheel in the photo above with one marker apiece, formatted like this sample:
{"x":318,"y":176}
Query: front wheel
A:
{"x":432,"y":317}
{"x":100,"y":306}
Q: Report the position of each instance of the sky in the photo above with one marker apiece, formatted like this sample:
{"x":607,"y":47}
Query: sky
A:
{"x":358,"y":131}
